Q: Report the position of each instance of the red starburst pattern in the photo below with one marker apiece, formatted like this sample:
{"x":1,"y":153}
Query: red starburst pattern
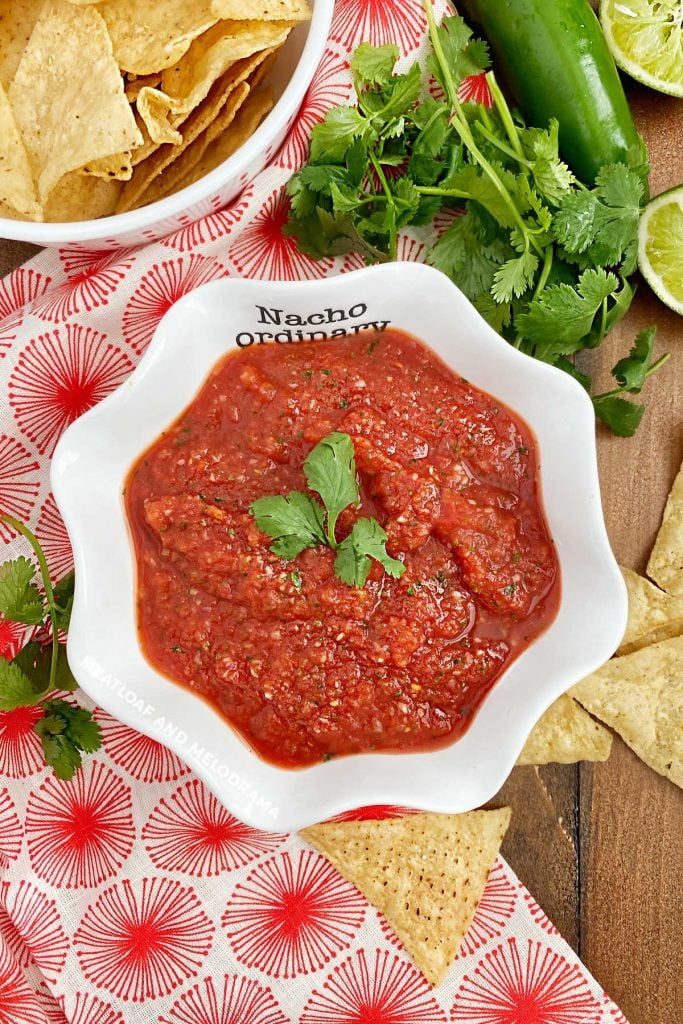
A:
{"x":540,"y":917}
{"x":92,"y":278}
{"x":16,"y":292}
{"x":85,"y":1008}
{"x":21,"y":753}
{"x":11,"y":635}
{"x":59,"y":376}
{"x":526,"y":982}
{"x":410,"y":250}
{"x":159,"y":289}
{"x":234,"y":1000}
{"x":210,"y":228}
{"x":369,"y":988}
{"x":10,"y":828}
{"x":378,"y":22}
{"x":80,"y":832}
{"x":291,"y":918}
{"x":475,"y":89}
{"x":19,"y":482}
{"x":18,"y":1005}
{"x":374,"y":812}
{"x":144,"y":758}
{"x":262,"y":251}
{"x":614,"y":1011}
{"x":53,"y":1014}
{"x":191,"y":832}
{"x":36,"y":922}
{"x":54,"y":539}
{"x":142,"y":945}
{"x":495,"y":908}
{"x":330,"y":87}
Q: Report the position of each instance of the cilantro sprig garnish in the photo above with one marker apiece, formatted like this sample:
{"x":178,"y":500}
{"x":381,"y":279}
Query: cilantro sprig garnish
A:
{"x":545,"y":259}
{"x":300,"y":521}
{"x":40,"y":669}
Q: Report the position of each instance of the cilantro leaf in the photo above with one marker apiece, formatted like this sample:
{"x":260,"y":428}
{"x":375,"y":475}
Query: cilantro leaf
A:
{"x":64,"y":599}
{"x":366,"y":541}
{"x":631,"y":371}
{"x":333,"y":137}
{"x":552,"y":176}
{"x":374,"y":65}
{"x":514,"y":277}
{"x":465,"y":258}
{"x":296,"y":522}
{"x":34,"y":660}
{"x":330,"y":470}
{"x":16,"y":689}
{"x":558,"y":320}
{"x":64,"y":732}
{"x":20,"y":599}
{"x":464,"y":55}
{"x":621,"y":416}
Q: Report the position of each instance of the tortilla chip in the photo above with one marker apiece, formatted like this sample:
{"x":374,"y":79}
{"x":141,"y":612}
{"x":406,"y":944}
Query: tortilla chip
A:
{"x":133,"y":86}
{"x":566,"y":734}
{"x":221,"y":147}
{"x":155,"y":108}
{"x":640,"y":695}
{"x":264,"y":10}
{"x":81,"y":196}
{"x":117,"y":167}
{"x":17,"y":18}
{"x":666,"y":560}
{"x":16,"y":181}
{"x":653,"y":615}
{"x":225,"y":95}
{"x":71,"y":109}
{"x":210,"y":56}
{"x":148,"y":36}
{"x":424,"y":872}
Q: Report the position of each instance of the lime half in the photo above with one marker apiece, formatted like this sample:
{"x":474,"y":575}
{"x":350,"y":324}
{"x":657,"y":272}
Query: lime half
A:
{"x":660,"y":247}
{"x":646,"y":40}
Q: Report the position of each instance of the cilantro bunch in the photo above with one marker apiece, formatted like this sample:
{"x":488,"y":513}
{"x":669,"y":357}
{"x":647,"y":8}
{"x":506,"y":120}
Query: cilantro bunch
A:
{"x":545,"y":260}
{"x":299,"y":521}
{"x":40,"y":668}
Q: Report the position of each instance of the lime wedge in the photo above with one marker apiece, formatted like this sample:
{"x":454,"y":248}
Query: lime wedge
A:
{"x":660,"y":247}
{"x":646,"y":40}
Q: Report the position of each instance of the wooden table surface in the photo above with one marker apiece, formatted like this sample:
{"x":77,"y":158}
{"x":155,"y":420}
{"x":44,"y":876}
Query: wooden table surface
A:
{"x":600,"y":846}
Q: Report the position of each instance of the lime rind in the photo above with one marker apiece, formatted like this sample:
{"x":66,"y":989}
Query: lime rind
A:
{"x":646,"y":40}
{"x":660,"y":247}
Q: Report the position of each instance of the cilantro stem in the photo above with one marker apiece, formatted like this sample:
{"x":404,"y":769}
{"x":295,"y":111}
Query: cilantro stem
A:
{"x":501,"y":146}
{"x":545,"y":271}
{"x":47,"y":584}
{"x":461,"y":126}
{"x":506,"y":117}
{"x":434,"y":190}
{"x":648,"y":373}
{"x":393,"y":245}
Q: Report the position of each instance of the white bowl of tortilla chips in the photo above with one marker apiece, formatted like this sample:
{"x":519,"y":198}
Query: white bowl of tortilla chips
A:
{"x":123,"y":120}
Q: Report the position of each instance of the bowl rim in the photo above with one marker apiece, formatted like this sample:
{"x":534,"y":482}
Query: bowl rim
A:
{"x":146,"y":217}
{"x":491,"y":758}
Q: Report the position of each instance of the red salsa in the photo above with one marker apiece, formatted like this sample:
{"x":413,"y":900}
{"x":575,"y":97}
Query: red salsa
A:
{"x":303,"y":665}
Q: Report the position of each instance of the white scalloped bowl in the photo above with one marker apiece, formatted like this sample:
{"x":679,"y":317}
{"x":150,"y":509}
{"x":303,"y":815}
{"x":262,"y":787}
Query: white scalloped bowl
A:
{"x":289,"y":79}
{"x":95,"y":454}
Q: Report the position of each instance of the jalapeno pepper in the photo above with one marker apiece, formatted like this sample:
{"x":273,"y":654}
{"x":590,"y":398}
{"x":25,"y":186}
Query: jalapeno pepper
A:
{"x":555,"y":61}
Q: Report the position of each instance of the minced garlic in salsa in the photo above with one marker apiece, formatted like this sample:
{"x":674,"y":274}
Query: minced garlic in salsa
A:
{"x":304,"y":666}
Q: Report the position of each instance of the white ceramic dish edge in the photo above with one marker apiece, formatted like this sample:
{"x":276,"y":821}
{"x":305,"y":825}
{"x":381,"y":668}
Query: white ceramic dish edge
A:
{"x":215,"y":190}
{"x":92,"y":461}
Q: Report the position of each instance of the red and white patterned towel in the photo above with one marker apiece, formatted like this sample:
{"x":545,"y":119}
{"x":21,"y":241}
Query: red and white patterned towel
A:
{"x":129,"y":894}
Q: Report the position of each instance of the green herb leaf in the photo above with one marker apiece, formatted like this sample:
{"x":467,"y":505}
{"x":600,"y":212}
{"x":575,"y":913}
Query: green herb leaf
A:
{"x":64,"y":732}
{"x":561,"y":316}
{"x":20,"y":599}
{"x":366,"y":541}
{"x":34,"y":660}
{"x":464,"y":55}
{"x":515,"y":277}
{"x":333,"y":137}
{"x":64,"y":599}
{"x":632,"y":371}
{"x":374,"y":65}
{"x":16,"y":688}
{"x":331,"y":471}
{"x":296,"y":522}
{"x":621,"y":416}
